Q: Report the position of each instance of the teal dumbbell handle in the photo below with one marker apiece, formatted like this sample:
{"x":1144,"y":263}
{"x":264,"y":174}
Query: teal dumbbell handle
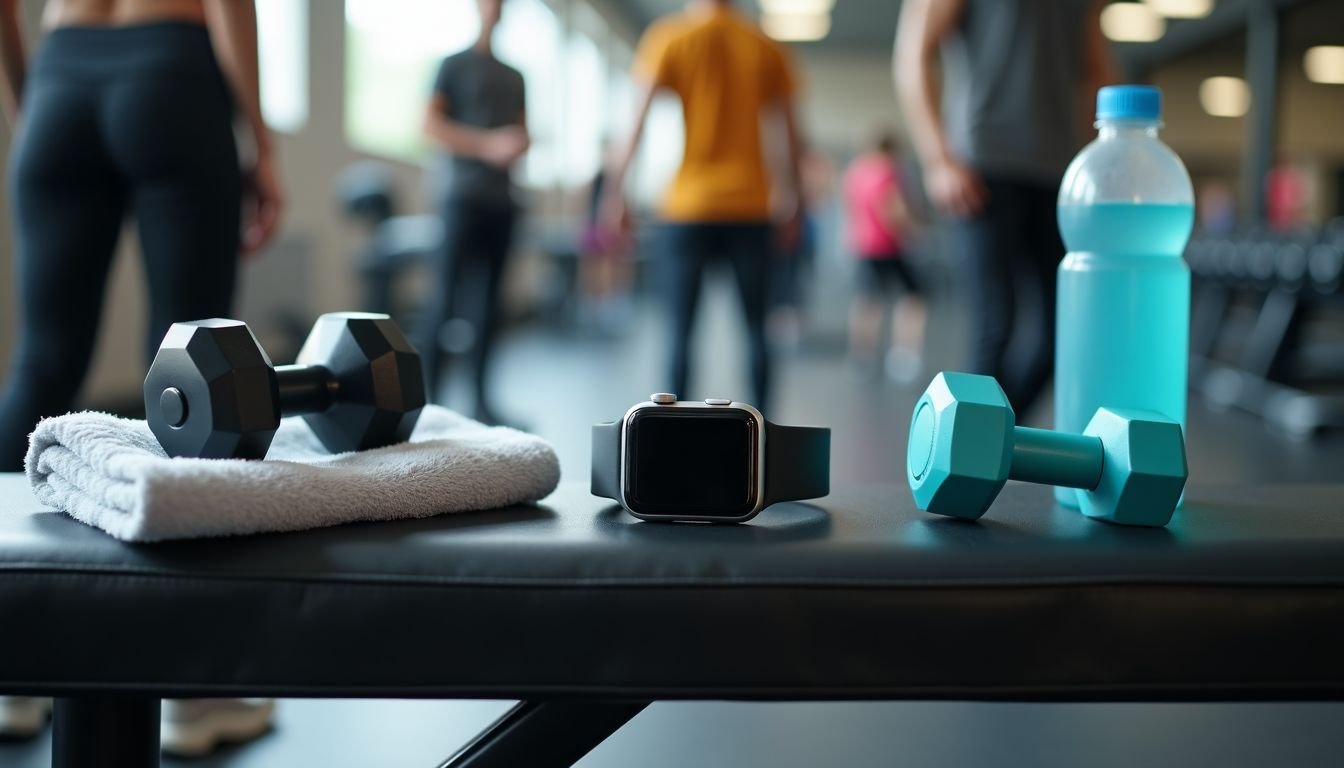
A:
{"x":1056,"y":458}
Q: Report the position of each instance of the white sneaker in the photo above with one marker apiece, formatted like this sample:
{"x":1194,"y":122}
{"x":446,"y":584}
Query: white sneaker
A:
{"x":23,"y":717}
{"x":194,"y":727}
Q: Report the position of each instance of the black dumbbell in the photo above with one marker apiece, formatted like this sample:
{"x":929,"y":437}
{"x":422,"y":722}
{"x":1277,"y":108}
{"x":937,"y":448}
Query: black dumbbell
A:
{"x":212,"y":392}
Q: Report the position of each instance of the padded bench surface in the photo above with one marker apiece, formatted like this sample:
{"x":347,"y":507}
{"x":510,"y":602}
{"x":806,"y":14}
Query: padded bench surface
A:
{"x":857,"y":596}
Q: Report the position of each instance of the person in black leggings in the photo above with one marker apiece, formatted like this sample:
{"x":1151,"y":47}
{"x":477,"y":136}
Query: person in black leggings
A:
{"x":118,"y":119}
{"x":127,"y":109}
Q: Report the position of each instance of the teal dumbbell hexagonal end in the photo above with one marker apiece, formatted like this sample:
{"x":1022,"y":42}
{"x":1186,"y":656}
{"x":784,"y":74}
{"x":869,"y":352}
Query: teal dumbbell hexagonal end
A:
{"x":960,"y":446}
{"x":1144,"y":471}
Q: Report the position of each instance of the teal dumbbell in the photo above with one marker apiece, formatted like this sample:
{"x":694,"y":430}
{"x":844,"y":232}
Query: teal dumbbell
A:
{"x":964,"y":447}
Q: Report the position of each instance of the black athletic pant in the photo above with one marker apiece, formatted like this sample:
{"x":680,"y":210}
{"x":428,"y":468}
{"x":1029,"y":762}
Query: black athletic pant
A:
{"x":1011,"y":251}
{"x":113,"y":120}
{"x":476,"y":243}
{"x":687,"y":249}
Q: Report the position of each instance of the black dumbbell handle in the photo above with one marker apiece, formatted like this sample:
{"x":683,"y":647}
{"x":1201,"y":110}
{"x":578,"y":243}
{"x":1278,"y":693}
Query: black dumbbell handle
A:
{"x":1056,"y":458}
{"x":304,"y":389}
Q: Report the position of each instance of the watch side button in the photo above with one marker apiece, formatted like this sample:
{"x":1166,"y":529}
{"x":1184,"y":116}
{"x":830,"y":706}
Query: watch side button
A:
{"x":663,"y":398}
{"x":717,"y":401}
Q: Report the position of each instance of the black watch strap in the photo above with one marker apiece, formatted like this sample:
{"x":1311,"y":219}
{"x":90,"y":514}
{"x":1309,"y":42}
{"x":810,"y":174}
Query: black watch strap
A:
{"x":797,"y":462}
{"x":607,"y":460}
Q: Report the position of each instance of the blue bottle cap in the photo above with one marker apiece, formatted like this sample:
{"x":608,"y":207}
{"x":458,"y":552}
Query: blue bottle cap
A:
{"x":1134,"y":102}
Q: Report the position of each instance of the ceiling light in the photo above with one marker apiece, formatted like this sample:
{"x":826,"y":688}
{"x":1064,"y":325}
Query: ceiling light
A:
{"x":1325,"y":64}
{"x":1131,"y":23}
{"x":1225,"y":96}
{"x":1181,"y":9}
{"x":796,"y":7}
{"x":796,"y":27}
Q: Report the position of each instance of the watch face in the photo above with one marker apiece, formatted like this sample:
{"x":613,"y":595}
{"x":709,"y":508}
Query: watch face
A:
{"x":692,"y":462}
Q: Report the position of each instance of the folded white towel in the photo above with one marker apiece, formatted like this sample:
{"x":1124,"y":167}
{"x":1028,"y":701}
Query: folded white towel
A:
{"x":111,"y":473}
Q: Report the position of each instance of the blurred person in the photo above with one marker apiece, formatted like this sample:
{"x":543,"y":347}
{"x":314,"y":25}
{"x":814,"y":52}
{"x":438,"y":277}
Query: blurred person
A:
{"x":477,"y":114}
{"x":128,"y":106}
{"x":728,"y":76}
{"x":1020,"y":76}
{"x":880,"y":224}
{"x":1288,"y":196}
{"x":793,"y":263}
{"x":604,"y":263}
{"x":1217,"y":207}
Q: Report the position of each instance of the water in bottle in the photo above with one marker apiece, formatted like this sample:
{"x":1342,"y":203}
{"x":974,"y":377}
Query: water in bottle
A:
{"x":1126,"y":207}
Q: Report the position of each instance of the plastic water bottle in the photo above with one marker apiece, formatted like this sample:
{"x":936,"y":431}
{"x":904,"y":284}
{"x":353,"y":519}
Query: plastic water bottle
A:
{"x":1125,"y":211}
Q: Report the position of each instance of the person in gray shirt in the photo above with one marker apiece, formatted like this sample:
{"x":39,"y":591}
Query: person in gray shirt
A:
{"x":477,"y":114}
{"x":1019,"y":75}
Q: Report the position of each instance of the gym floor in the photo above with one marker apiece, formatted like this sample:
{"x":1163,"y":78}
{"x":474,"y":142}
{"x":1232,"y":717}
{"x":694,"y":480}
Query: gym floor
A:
{"x":869,"y":417}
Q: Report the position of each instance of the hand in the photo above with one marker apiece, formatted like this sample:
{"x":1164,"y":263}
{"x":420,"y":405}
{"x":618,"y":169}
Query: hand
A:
{"x":955,"y":189}
{"x":612,"y":216}
{"x":263,"y":201}
{"x":501,"y":147}
{"x":789,"y":231}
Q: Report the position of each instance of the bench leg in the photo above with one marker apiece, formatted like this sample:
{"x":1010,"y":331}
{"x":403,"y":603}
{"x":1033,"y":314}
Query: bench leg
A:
{"x":545,"y":734}
{"x":105,"y":732}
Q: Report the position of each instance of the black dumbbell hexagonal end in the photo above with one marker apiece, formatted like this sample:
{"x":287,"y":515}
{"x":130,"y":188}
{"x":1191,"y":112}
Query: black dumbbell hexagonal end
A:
{"x":381,"y":386}
{"x":210,"y":392}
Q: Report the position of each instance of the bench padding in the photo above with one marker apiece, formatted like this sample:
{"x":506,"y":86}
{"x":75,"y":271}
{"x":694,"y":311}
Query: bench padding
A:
{"x":857,"y":596}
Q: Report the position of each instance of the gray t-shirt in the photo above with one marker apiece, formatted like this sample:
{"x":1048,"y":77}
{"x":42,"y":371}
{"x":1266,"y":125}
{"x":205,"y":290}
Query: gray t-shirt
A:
{"x":484,"y":92}
{"x":1014,"y":78}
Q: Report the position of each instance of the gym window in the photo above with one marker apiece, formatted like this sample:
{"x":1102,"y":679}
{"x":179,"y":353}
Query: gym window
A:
{"x":282,"y":60}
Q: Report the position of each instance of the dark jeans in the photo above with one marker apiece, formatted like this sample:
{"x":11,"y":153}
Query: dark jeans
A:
{"x":687,"y":249}
{"x":115,"y":119}
{"x":1011,"y":250}
{"x":476,"y":243}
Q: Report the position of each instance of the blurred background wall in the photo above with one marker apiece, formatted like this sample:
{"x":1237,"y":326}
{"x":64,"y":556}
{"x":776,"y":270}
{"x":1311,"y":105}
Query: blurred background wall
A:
{"x":346,"y":80}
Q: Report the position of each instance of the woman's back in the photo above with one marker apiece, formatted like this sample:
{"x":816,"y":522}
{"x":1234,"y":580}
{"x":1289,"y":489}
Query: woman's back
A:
{"x":66,"y":13}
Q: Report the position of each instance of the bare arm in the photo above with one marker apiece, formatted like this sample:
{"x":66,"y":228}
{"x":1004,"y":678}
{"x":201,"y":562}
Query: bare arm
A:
{"x":233,"y":34}
{"x":952,"y":186}
{"x":923,"y":26}
{"x":896,"y":214}
{"x":612,"y":207}
{"x":458,"y":138}
{"x":233,"y":31}
{"x":12,"y":62}
{"x":522,"y":126}
{"x":498,"y":147}
{"x":793,"y":170}
{"x":1098,"y":65}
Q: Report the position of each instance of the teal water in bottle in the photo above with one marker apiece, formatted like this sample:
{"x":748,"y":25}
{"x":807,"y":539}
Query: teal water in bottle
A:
{"x":1125,"y":211}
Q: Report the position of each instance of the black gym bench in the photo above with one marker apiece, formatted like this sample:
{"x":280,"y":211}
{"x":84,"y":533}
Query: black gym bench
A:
{"x":586,"y":615}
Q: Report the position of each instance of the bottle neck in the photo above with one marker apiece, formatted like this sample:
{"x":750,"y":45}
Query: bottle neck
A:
{"x":1114,"y":129}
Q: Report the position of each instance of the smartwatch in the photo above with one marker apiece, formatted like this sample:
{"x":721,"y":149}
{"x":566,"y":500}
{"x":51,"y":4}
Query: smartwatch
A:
{"x":711,"y":460}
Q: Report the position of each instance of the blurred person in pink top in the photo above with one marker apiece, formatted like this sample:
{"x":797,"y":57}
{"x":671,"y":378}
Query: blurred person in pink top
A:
{"x":880,"y":223}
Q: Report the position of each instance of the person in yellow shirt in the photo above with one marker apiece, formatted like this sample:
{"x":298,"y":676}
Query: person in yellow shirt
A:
{"x":732,"y":80}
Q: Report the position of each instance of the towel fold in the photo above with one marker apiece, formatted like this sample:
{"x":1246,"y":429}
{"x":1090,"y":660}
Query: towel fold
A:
{"x":111,"y":473}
